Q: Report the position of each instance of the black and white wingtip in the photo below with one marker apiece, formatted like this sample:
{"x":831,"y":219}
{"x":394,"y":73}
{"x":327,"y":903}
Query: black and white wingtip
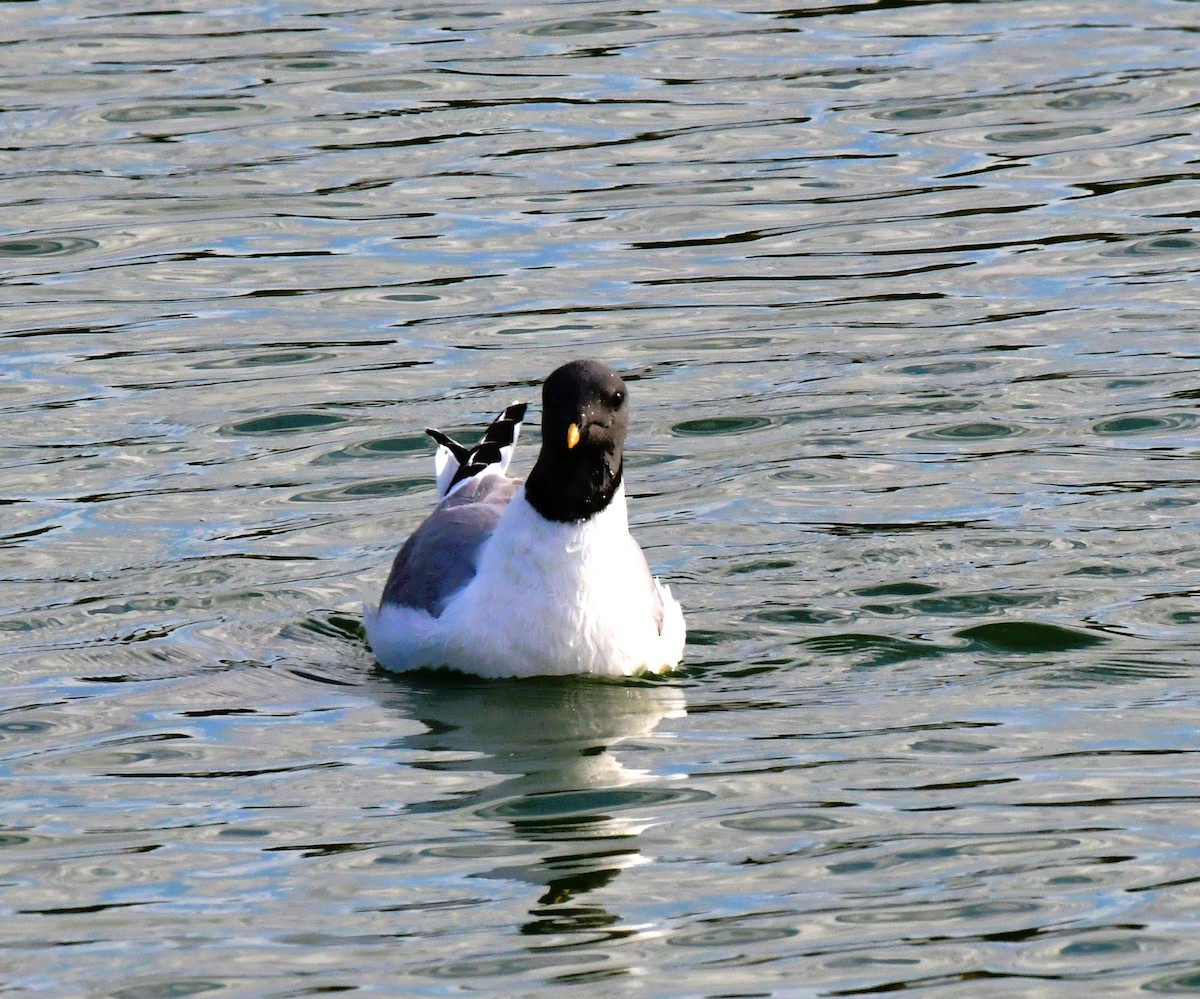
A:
{"x":455,"y":463}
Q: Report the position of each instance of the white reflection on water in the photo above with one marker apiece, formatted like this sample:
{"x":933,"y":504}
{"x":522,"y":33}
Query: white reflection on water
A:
{"x":574,"y":810}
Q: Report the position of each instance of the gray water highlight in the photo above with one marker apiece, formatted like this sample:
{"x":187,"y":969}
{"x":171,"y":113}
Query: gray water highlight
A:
{"x":905,"y":296}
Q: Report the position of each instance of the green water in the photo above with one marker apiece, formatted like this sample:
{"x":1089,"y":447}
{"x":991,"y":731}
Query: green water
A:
{"x":906,"y":298}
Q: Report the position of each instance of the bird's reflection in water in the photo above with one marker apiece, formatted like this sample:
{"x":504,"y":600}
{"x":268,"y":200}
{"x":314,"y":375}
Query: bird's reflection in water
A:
{"x":563,"y":789}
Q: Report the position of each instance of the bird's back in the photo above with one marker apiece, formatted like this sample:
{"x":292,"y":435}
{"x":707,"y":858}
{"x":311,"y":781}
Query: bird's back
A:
{"x":440,"y":557}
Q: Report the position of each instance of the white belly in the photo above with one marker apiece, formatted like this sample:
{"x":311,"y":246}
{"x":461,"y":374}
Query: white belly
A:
{"x":547,"y":599}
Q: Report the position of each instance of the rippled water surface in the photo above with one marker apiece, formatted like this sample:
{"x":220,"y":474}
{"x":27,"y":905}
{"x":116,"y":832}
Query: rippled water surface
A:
{"x":906,"y":294}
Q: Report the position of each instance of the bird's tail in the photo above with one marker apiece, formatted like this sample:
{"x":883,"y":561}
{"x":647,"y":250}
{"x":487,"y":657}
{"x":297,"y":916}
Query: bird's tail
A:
{"x":454,"y":463}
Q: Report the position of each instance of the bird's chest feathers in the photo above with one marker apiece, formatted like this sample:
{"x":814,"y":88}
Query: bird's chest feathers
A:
{"x":571,"y":571}
{"x":549,"y":597}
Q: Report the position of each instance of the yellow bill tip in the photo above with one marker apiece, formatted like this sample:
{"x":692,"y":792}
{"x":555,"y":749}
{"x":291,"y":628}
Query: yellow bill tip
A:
{"x":572,"y":435}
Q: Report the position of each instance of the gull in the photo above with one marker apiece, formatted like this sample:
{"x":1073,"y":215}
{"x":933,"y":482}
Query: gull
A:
{"x":541,"y":577}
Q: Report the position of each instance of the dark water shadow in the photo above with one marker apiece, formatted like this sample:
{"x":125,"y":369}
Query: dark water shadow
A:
{"x":572,"y":809}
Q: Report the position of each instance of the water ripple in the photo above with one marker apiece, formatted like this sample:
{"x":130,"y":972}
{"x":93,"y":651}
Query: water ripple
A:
{"x":904,"y":296}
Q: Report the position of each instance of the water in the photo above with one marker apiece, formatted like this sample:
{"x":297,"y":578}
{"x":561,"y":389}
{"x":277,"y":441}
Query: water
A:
{"x":906,"y":295}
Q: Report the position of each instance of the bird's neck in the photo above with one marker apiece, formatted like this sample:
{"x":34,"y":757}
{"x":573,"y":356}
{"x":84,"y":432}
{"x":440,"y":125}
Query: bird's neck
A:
{"x":570,"y":494}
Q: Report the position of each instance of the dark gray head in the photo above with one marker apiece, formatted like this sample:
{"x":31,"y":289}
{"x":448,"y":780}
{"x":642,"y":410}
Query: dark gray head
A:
{"x":585,"y":415}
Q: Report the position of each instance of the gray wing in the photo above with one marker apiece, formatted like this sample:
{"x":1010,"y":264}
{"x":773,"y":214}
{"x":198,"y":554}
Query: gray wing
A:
{"x":439,"y":558}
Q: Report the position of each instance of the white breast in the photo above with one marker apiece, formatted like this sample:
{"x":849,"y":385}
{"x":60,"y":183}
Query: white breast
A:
{"x":548,"y":598}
